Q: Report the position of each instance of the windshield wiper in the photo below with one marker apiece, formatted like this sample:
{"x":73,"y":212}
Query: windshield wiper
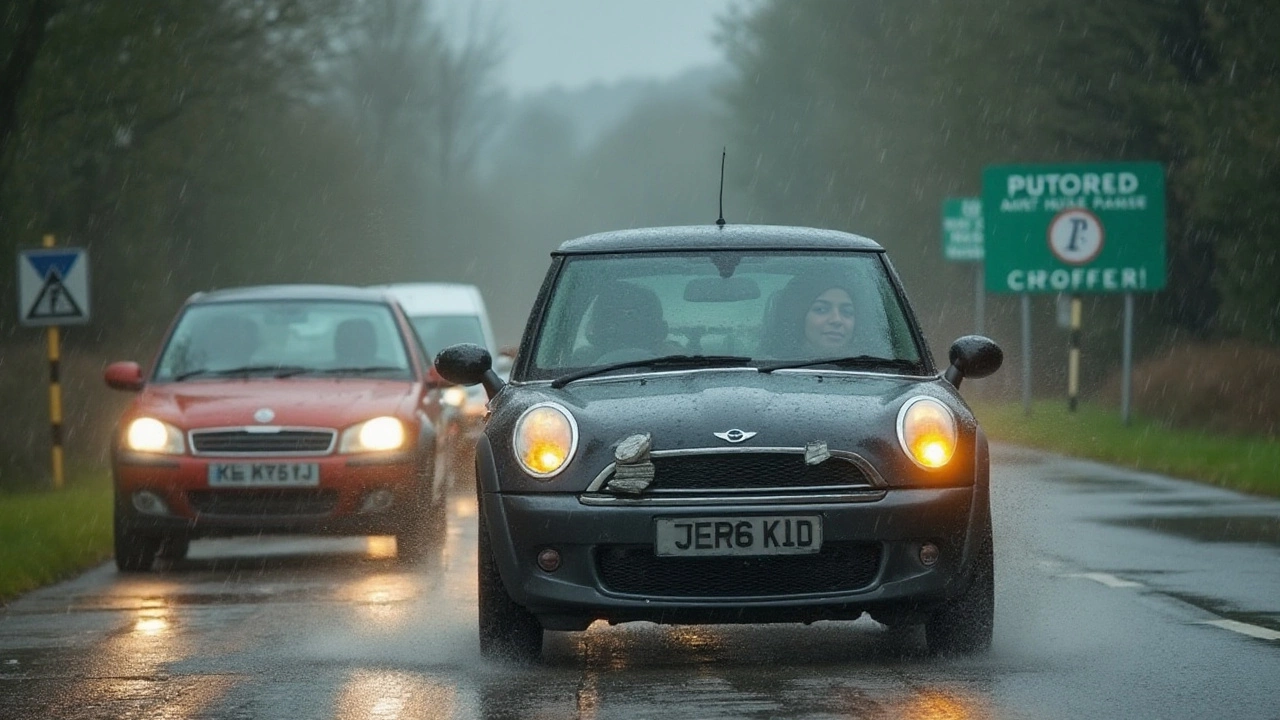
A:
{"x":661,"y":361}
{"x":861,"y":362}
{"x":356,"y":370}
{"x":279,"y":371}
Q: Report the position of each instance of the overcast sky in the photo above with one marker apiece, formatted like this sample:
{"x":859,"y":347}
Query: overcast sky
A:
{"x":573,"y":43}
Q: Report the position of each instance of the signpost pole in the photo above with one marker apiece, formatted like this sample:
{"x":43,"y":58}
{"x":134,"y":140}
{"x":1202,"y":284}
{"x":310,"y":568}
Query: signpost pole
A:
{"x":1126,"y":373}
{"x":1073,"y":357}
{"x":1026,"y":354}
{"x":55,"y":393}
{"x":980,"y":299}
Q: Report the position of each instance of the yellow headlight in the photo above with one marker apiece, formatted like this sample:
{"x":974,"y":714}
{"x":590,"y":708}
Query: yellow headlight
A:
{"x":927,"y":432}
{"x":545,"y":438}
{"x":150,"y":435}
{"x":380,"y":433}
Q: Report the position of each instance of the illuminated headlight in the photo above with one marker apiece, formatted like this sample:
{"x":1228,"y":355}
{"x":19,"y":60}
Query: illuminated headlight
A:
{"x":378,"y":434}
{"x":454,"y":396}
{"x":927,"y":432}
{"x":545,"y":439}
{"x":151,"y":435}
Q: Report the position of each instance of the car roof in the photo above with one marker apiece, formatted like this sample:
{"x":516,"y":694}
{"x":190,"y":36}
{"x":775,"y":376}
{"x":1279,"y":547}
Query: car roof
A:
{"x":712,"y":237}
{"x":430,"y":298}
{"x":291,"y":292}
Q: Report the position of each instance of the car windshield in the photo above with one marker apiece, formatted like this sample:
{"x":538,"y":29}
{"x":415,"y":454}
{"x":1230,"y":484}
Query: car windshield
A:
{"x":438,"y":332}
{"x":285,"y":338}
{"x":766,"y":307}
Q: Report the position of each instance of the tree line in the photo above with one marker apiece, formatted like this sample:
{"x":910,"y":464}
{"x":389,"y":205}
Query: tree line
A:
{"x":210,"y":143}
{"x":865,"y":114}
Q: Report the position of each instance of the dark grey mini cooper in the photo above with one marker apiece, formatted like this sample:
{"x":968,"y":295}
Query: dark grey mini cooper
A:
{"x":728,"y":425}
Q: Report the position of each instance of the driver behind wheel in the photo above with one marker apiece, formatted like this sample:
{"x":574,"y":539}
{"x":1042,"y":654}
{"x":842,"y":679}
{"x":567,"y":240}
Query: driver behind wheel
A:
{"x":626,"y":323}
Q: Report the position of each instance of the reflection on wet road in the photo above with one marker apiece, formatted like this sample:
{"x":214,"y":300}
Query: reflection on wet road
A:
{"x":1119,"y":595}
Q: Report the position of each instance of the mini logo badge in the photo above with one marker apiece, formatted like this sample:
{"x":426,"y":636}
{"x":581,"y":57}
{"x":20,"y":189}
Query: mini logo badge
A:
{"x":264,"y":415}
{"x":735,"y":435}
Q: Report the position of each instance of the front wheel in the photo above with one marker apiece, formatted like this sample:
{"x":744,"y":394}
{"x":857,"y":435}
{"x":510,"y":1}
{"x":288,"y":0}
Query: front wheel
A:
{"x":966,"y":622}
{"x":507,"y":631}
{"x":135,"y":551}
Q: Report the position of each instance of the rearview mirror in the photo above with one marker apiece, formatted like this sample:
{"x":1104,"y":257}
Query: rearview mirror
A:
{"x":468,"y":364}
{"x":715,"y":289}
{"x":124,"y":376}
{"x":973,"y":356}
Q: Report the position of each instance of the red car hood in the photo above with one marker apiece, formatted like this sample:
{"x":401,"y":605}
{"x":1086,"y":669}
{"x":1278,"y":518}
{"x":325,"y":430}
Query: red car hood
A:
{"x":292,"y":401}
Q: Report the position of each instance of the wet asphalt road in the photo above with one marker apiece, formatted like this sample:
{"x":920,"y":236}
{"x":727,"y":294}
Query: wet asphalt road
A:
{"x":1119,"y":595}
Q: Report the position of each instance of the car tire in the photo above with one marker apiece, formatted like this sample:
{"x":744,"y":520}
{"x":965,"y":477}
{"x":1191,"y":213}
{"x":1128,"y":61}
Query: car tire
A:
{"x":135,"y":551}
{"x":965,"y":623}
{"x":174,"y":548}
{"x":508,"y":631}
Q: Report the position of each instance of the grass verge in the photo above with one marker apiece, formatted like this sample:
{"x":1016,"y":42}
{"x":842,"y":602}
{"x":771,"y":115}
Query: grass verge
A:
{"x":1241,"y":463}
{"x":49,"y":535}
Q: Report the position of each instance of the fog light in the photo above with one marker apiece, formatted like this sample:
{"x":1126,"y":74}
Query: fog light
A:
{"x":929,"y":553}
{"x":149,"y":503}
{"x":549,"y":560}
{"x":377,"y":501}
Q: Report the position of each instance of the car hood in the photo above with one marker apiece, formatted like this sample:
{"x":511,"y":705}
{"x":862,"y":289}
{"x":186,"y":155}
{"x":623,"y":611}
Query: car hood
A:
{"x":309,"y":402}
{"x":847,"y":411}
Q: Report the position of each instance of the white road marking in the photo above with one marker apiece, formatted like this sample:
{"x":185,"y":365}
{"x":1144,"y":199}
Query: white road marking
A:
{"x":1245,"y":629}
{"x":1106,"y":579}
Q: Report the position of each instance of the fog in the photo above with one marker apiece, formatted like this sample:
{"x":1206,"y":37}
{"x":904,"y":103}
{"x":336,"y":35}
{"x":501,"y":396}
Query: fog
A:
{"x":199,"y":146}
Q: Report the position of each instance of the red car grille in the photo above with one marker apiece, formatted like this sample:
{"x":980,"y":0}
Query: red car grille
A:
{"x":289,"y":442}
{"x":263,"y":503}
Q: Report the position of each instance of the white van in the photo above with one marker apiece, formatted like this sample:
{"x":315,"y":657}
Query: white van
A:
{"x":445,"y":314}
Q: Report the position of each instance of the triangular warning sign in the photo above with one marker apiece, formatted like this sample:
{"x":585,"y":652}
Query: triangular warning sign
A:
{"x":54,"y":301}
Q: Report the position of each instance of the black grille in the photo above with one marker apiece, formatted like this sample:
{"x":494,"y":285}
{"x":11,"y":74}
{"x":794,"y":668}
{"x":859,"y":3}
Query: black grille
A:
{"x":751,"y":471}
{"x":263,"y":503}
{"x":839,"y":567}
{"x":285,"y":441}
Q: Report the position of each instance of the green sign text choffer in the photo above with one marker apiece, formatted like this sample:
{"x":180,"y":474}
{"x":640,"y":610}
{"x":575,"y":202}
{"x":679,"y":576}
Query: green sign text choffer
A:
{"x":1077,"y":228}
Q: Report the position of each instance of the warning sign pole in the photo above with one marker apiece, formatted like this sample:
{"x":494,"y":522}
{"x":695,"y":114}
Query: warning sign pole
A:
{"x":55,"y":393}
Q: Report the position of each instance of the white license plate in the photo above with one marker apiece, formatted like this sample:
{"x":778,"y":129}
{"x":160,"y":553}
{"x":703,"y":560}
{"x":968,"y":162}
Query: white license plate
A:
{"x":264,"y":474}
{"x":759,"y":535}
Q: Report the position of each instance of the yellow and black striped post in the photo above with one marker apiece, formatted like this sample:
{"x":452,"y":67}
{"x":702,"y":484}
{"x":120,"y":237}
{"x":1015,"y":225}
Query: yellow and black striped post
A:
{"x":1073,"y":359}
{"x":55,"y":394}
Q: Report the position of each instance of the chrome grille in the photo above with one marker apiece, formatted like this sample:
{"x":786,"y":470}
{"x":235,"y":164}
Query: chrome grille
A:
{"x":838,"y":567}
{"x":279,"y":442}
{"x":752,"y":471}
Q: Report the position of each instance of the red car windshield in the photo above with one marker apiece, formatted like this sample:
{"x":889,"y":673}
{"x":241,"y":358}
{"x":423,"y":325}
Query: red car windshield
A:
{"x":285,"y":338}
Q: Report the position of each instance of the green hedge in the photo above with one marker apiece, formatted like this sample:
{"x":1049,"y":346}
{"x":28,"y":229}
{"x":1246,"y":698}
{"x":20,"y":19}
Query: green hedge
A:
{"x":50,"y":535}
{"x":1250,"y":464}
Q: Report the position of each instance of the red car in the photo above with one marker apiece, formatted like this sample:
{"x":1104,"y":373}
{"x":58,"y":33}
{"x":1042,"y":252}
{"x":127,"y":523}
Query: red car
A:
{"x":278,"y":409}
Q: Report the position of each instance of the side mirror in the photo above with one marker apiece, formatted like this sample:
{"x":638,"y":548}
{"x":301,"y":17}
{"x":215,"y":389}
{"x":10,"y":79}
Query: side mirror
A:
{"x":468,"y":364}
{"x":124,"y":376}
{"x":973,"y":356}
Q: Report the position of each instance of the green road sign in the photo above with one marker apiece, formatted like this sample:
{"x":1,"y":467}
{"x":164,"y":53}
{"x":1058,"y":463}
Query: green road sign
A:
{"x":1078,"y":228}
{"x":962,"y":229}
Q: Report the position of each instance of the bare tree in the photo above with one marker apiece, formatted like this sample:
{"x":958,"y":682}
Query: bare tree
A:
{"x":418,"y":95}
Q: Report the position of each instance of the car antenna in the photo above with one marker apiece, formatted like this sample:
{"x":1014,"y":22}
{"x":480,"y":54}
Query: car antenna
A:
{"x":720,"y":220}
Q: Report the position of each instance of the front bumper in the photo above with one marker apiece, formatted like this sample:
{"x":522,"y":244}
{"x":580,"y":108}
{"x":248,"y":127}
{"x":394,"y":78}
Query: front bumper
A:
{"x":887,"y":533}
{"x":336,"y":505}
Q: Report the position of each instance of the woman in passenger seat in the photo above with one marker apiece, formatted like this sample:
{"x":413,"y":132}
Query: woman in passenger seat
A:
{"x":813,"y":316}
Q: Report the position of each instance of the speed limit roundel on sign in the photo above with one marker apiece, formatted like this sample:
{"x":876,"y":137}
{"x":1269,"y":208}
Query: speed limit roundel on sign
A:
{"x":1075,"y":236}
